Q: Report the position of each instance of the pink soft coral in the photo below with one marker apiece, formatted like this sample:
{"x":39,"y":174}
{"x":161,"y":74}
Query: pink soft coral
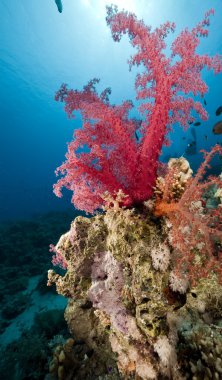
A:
{"x":196,"y":230}
{"x":108,"y":134}
{"x":115,"y":159}
{"x":57,"y":258}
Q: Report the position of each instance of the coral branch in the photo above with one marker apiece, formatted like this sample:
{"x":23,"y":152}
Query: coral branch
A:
{"x":196,"y":229}
{"x":106,"y":154}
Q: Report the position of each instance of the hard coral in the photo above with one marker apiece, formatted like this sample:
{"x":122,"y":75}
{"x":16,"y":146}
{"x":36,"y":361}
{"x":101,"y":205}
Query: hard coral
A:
{"x":121,"y":303}
{"x":109,"y":263}
{"x":114,"y":159}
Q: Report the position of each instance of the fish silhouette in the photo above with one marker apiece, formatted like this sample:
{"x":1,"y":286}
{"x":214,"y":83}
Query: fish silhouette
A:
{"x":191,"y":148}
{"x":59,"y":5}
{"x":218,"y":111}
{"x":217,"y":128}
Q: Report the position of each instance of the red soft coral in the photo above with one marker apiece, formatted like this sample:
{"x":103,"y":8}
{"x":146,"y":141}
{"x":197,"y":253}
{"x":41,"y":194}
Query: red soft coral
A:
{"x":115,"y":159}
{"x":108,"y":134}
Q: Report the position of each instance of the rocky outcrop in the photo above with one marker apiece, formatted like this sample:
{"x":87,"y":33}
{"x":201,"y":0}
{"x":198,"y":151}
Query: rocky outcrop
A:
{"x":122,"y":301}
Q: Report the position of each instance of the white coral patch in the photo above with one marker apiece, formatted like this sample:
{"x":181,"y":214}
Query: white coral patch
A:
{"x":160,"y":257}
{"x":178,"y":284}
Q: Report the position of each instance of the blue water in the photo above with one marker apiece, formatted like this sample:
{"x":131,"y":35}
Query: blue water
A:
{"x":42,"y":48}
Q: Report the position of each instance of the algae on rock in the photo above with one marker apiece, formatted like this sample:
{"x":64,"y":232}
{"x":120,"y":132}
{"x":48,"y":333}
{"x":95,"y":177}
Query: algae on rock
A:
{"x":121,"y":303}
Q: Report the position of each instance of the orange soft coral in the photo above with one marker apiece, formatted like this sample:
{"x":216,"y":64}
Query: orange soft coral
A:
{"x":195,"y":229}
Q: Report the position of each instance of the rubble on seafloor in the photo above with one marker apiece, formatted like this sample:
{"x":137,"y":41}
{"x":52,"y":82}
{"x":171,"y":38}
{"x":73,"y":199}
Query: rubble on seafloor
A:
{"x":122,"y":306}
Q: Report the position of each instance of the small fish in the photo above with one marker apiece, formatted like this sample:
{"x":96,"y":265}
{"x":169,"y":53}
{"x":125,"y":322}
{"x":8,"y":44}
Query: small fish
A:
{"x":190,"y":122}
{"x":218,"y":111}
{"x":197,"y":123}
{"x":206,"y":137}
{"x":191,"y":144}
{"x":205,"y":103}
{"x":137,"y":137}
{"x":59,"y":5}
{"x":183,"y":138}
{"x":217,"y":128}
{"x":191,"y":149}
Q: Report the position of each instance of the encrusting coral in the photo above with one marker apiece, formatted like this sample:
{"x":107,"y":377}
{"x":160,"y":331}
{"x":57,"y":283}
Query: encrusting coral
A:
{"x":108,"y":265}
{"x":122,"y":301}
{"x":180,"y":173}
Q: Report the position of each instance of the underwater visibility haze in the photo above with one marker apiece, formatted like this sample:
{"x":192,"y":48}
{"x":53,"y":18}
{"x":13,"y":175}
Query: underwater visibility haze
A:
{"x":42,"y":48}
{"x":135,"y":232}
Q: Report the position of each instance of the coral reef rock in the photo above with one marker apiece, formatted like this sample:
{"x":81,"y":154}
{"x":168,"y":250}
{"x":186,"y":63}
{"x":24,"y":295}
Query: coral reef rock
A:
{"x":122,"y":304}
